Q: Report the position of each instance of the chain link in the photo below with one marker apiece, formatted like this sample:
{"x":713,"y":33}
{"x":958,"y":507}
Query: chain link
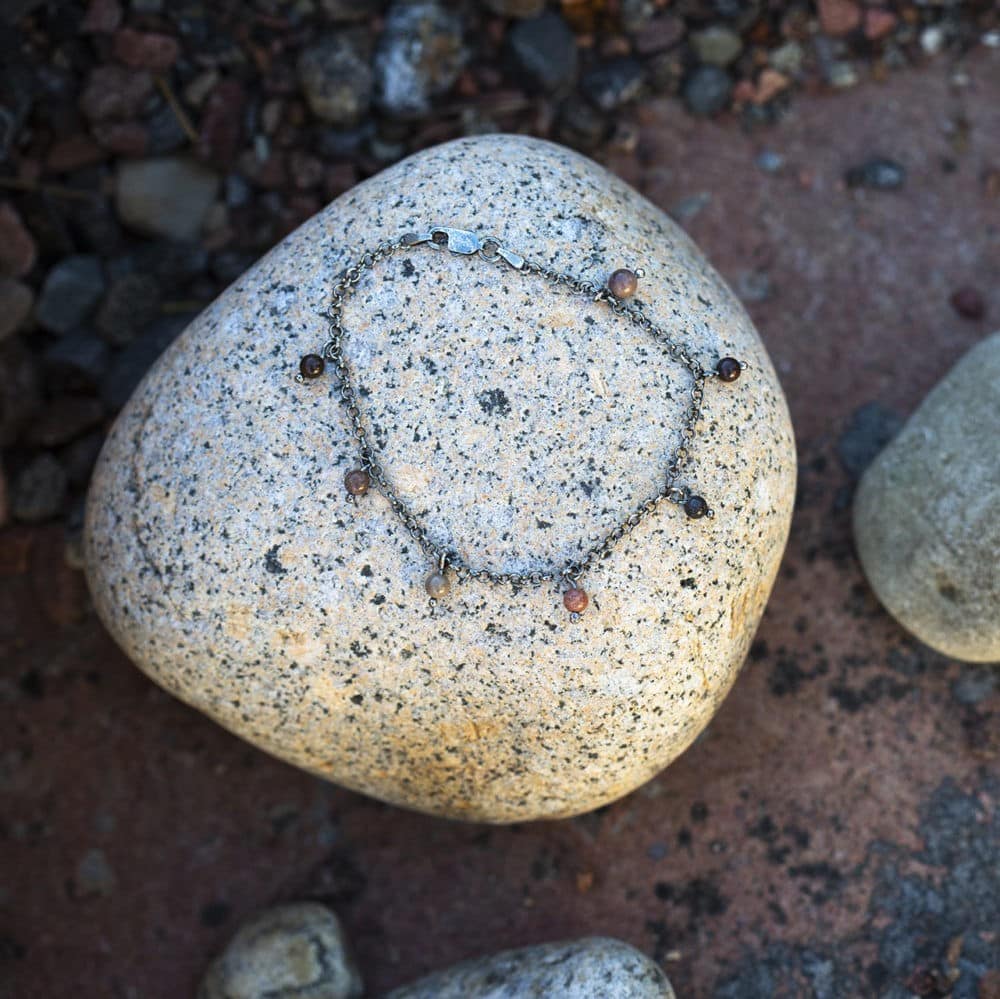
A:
{"x":493,"y":250}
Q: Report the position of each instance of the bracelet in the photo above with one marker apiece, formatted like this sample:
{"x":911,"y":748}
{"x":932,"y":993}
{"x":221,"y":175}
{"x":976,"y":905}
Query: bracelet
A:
{"x":615,"y":295}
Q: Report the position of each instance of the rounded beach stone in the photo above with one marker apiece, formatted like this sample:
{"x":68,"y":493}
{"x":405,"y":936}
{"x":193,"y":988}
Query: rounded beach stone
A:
{"x":927,"y":514}
{"x":521,"y":423}
{"x":295,"y":951}
{"x":592,"y":968}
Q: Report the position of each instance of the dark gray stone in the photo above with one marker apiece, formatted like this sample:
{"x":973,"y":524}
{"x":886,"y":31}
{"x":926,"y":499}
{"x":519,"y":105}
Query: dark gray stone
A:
{"x":418,"y":57}
{"x":878,"y":174}
{"x":76,"y":362}
{"x":20,"y":390}
{"x":336,"y":77}
{"x":516,"y":8}
{"x":132,"y":303}
{"x":39,"y":490}
{"x":707,"y":90}
{"x":611,"y":84}
{"x":581,"y":125}
{"x":70,"y":293}
{"x":541,"y":53}
{"x":975,"y":684}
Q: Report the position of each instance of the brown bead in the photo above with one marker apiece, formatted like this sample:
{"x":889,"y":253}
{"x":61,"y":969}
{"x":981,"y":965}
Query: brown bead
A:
{"x":311,"y":366}
{"x":695,"y":507}
{"x":575,"y":600}
{"x":729,"y":369}
{"x":357,"y":482}
{"x":623,"y":283}
{"x":437,"y":585}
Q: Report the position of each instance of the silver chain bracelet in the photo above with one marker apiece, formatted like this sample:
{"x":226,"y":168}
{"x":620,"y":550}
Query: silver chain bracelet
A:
{"x":620,"y":286}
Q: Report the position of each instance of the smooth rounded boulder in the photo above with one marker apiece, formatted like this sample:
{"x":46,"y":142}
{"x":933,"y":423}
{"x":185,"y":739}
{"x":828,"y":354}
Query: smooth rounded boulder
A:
{"x":522,"y":423}
{"x":927,"y":514}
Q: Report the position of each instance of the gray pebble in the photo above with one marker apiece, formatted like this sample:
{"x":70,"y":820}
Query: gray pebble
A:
{"x":927,"y":514}
{"x":336,"y":77}
{"x":717,"y":45}
{"x":132,"y":303}
{"x":707,"y":90}
{"x":878,"y":174}
{"x":39,"y":490}
{"x":76,"y":362}
{"x":614,"y":83}
{"x":94,"y":875}
{"x":592,"y":968}
{"x":20,"y":390}
{"x":293,"y":951}
{"x":167,"y":197}
{"x":581,"y":125}
{"x":974,"y":685}
{"x":70,"y":293}
{"x":542,"y":54}
{"x":418,"y":57}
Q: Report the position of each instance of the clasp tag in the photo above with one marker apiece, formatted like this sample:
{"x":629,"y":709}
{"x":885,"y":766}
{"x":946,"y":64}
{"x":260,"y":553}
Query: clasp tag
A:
{"x":456,"y":240}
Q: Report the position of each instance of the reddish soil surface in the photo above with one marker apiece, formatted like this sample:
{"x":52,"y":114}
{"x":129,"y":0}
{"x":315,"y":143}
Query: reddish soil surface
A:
{"x":835,"y":832}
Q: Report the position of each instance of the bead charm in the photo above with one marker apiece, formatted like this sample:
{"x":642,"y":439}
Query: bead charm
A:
{"x":357,"y":482}
{"x":437,"y":585}
{"x":695,"y":507}
{"x":728,"y":369}
{"x":623,"y":283}
{"x":621,"y":286}
{"x":311,"y":366}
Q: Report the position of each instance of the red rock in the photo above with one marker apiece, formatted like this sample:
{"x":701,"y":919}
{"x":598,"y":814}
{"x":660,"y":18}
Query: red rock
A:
{"x":770,"y":83}
{"x":744,"y":92}
{"x":659,"y":34}
{"x":115,"y":92}
{"x":61,"y":592}
{"x":73,"y":153}
{"x":839,"y":17}
{"x":146,"y":49}
{"x":878,"y":23}
{"x":124,"y":138}
{"x":18,"y":251}
{"x":968,"y":302}
{"x":102,"y":17}
{"x":221,"y":129}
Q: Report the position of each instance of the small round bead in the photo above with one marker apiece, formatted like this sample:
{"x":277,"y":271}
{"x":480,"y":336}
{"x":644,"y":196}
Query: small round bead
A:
{"x":437,"y":585}
{"x":357,"y":482}
{"x":695,"y":507}
{"x":311,"y":366}
{"x":729,"y":369}
{"x":623,"y":283}
{"x":575,"y":600}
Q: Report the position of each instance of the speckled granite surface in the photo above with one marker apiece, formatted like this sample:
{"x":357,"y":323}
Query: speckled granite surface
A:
{"x":522,"y":423}
{"x":578,"y":969}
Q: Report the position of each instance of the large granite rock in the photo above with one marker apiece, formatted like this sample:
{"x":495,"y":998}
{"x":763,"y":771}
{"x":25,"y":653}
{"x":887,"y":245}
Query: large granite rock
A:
{"x":593,"y":968}
{"x":927,"y":514}
{"x":523,"y":423}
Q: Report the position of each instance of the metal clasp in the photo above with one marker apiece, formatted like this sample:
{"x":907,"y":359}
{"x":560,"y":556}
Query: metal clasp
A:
{"x":466,"y":242}
{"x":456,"y":240}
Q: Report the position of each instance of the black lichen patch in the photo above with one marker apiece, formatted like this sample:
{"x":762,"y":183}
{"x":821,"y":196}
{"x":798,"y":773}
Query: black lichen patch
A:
{"x":700,"y":896}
